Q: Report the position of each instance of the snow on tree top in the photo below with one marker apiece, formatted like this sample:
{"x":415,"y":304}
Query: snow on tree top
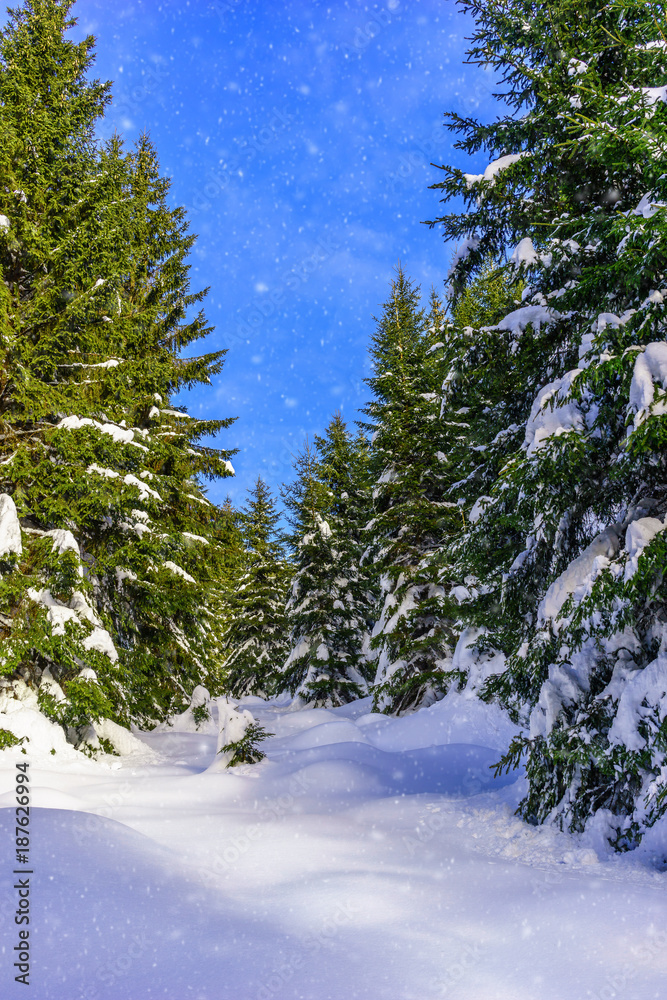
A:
{"x":493,"y":169}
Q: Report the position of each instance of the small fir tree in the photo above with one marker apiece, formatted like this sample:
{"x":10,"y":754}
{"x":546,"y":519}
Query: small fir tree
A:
{"x":255,"y":643}
{"x":328,"y":603}
{"x":413,"y":637}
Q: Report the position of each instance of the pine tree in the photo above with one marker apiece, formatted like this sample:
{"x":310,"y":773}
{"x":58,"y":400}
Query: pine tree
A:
{"x":113,"y":589}
{"x":413,"y":638}
{"x":329,"y":602}
{"x":343,"y":468}
{"x":568,"y":541}
{"x":255,"y":642}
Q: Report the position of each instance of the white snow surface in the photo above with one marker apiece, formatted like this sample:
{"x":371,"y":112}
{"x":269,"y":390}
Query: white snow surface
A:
{"x":10,"y":528}
{"x":64,"y":541}
{"x":647,"y":687}
{"x":232,"y":726}
{"x":367,"y":858}
{"x":120,"y":434}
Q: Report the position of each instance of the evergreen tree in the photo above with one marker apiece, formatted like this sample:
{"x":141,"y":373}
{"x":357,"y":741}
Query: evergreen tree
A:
{"x":344,"y":468}
{"x":328,"y":606}
{"x":255,"y":642}
{"x":413,"y":638}
{"x":568,"y":543}
{"x":113,"y":587}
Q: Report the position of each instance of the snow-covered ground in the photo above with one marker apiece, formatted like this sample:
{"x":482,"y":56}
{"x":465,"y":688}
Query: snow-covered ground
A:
{"x":365,"y":857}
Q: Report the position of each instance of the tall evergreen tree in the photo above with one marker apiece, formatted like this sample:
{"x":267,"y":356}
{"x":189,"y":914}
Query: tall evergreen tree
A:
{"x":328,"y":606}
{"x":569,"y":542}
{"x":119,"y":555}
{"x":255,"y":642}
{"x":413,"y":637}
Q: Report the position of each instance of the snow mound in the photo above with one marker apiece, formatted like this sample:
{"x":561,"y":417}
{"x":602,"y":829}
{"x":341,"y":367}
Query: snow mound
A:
{"x":232,"y":726}
{"x":457,"y":718}
{"x":125,"y":743}
{"x":43,"y":737}
{"x":199,"y":717}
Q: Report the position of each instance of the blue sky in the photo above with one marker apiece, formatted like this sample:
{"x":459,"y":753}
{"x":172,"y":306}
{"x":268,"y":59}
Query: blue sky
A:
{"x":299,"y":136}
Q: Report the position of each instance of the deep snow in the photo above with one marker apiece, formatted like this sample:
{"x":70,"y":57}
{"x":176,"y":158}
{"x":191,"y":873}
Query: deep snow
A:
{"x":365,"y":857}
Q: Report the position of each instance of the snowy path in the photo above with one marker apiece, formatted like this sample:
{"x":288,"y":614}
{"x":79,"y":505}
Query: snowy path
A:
{"x":366,"y":857}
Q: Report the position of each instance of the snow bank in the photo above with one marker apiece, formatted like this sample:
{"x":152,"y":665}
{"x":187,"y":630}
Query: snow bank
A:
{"x":125,"y":743}
{"x":43,"y":737}
{"x":199,"y":717}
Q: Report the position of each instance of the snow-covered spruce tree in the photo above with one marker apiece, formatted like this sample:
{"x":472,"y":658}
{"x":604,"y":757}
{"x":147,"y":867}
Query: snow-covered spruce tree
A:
{"x":255,"y":642}
{"x":569,"y":541}
{"x":328,"y":604}
{"x":344,"y":468}
{"x":477,"y":432}
{"x":110,"y":551}
{"x":413,"y":638}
